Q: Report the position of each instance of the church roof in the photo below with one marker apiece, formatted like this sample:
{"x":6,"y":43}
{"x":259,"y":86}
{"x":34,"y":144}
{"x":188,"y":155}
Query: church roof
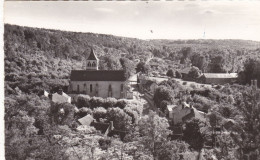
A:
{"x":92,"y":55}
{"x":97,"y":75}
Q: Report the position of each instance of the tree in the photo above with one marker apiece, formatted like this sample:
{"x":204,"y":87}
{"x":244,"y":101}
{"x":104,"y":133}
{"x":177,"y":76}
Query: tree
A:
{"x":162,"y":93}
{"x":142,"y":67}
{"x":178,"y":74}
{"x":199,"y":61}
{"x":154,"y":131}
{"x":186,"y":51}
{"x":121,"y":120}
{"x":217,"y":64}
{"x":173,"y":150}
{"x":194,"y":73}
{"x":128,"y":66}
{"x":192,"y":134}
{"x":110,"y":63}
{"x":251,"y":71}
{"x":248,"y":137}
{"x":170,"y":73}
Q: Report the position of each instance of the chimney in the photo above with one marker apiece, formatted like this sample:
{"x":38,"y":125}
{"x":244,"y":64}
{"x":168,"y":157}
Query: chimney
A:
{"x":255,"y":83}
{"x":60,"y":91}
{"x":111,"y":126}
{"x":252,"y":82}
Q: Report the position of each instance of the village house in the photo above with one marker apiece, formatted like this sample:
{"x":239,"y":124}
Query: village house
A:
{"x":99,"y":83}
{"x":181,"y":113}
{"x":218,"y":78}
{"x":185,"y":73}
{"x":147,"y":84}
{"x":58,"y":97}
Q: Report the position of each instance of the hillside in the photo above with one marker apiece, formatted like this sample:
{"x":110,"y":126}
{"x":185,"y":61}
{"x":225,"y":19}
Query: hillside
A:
{"x":42,"y":58}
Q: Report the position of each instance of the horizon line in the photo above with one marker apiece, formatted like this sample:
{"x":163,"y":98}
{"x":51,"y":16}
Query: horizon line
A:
{"x":182,"y":39}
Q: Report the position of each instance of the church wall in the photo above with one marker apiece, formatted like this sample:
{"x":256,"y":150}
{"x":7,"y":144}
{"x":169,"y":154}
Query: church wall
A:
{"x":102,"y":88}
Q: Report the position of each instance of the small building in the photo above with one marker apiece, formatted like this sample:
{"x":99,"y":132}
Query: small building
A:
{"x":87,"y":120}
{"x":218,"y":78}
{"x":184,"y":73}
{"x":178,"y":114}
{"x":60,"y":97}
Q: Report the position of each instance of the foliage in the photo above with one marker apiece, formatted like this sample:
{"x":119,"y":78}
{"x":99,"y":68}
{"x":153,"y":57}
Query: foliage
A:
{"x":249,"y":135}
{"x":170,"y":73}
{"x":62,"y":114}
{"x":216,"y":64}
{"x":154,"y":132}
{"x":192,"y":134}
{"x":194,"y":73}
{"x":251,"y":71}
{"x":121,"y":119}
{"x":178,"y":74}
{"x":142,"y":67}
{"x":162,"y":93}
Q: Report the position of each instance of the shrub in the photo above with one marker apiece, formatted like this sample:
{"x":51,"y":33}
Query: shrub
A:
{"x":104,"y":143}
{"x":121,"y":104}
{"x":170,"y":73}
{"x":178,"y":74}
{"x":109,"y":103}
{"x":83,"y":112}
{"x":99,"y":112}
{"x":133,"y":114}
{"x":83,"y":101}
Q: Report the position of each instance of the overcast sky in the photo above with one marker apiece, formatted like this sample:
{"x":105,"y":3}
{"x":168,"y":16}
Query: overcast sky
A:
{"x":145,"y":20}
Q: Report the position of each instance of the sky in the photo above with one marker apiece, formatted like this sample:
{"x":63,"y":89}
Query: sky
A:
{"x":144,"y":20}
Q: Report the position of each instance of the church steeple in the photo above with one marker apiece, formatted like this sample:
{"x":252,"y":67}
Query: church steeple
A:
{"x":92,"y":61}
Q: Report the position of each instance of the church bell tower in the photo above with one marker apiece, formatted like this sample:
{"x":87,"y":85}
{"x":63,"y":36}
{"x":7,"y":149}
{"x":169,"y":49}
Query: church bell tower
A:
{"x":92,"y":61}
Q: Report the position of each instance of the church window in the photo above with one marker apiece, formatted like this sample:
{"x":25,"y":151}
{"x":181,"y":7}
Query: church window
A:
{"x":96,"y":89}
{"x":110,"y":91}
{"x":89,"y":64}
{"x":91,"y":88}
{"x":93,"y":64}
{"x":122,"y":87}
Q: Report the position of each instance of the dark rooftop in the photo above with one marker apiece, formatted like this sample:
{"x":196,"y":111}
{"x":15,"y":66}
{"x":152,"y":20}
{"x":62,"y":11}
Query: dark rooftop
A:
{"x":92,"y":55}
{"x":97,"y":75}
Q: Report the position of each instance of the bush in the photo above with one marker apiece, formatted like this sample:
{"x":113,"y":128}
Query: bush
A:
{"x":99,"y":112}
{"x":178,"y":74}
{"x":83,"y":101}
{"x":83,"y":112}
{"x":104,"y":143}
{"x":170,"y":73}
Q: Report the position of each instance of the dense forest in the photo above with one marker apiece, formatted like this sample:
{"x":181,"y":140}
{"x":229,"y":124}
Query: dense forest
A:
{"x":46,"y":57}
{"x":41,"y":59}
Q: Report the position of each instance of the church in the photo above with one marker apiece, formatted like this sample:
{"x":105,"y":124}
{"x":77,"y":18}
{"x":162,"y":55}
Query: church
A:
{"x":99,"y":83}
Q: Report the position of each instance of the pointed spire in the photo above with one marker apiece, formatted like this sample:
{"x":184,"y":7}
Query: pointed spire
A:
{"x":92,"y":55}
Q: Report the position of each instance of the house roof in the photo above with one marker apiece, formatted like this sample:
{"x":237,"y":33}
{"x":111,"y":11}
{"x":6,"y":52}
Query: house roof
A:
{"x":97,"y":75}
{"x":65,"y":95}
{"x":170,"y":107}
{"x":185,"y":70}
{"x":86,"y":120}
{"x":220,"y":75}
{"x":92,"y":55}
